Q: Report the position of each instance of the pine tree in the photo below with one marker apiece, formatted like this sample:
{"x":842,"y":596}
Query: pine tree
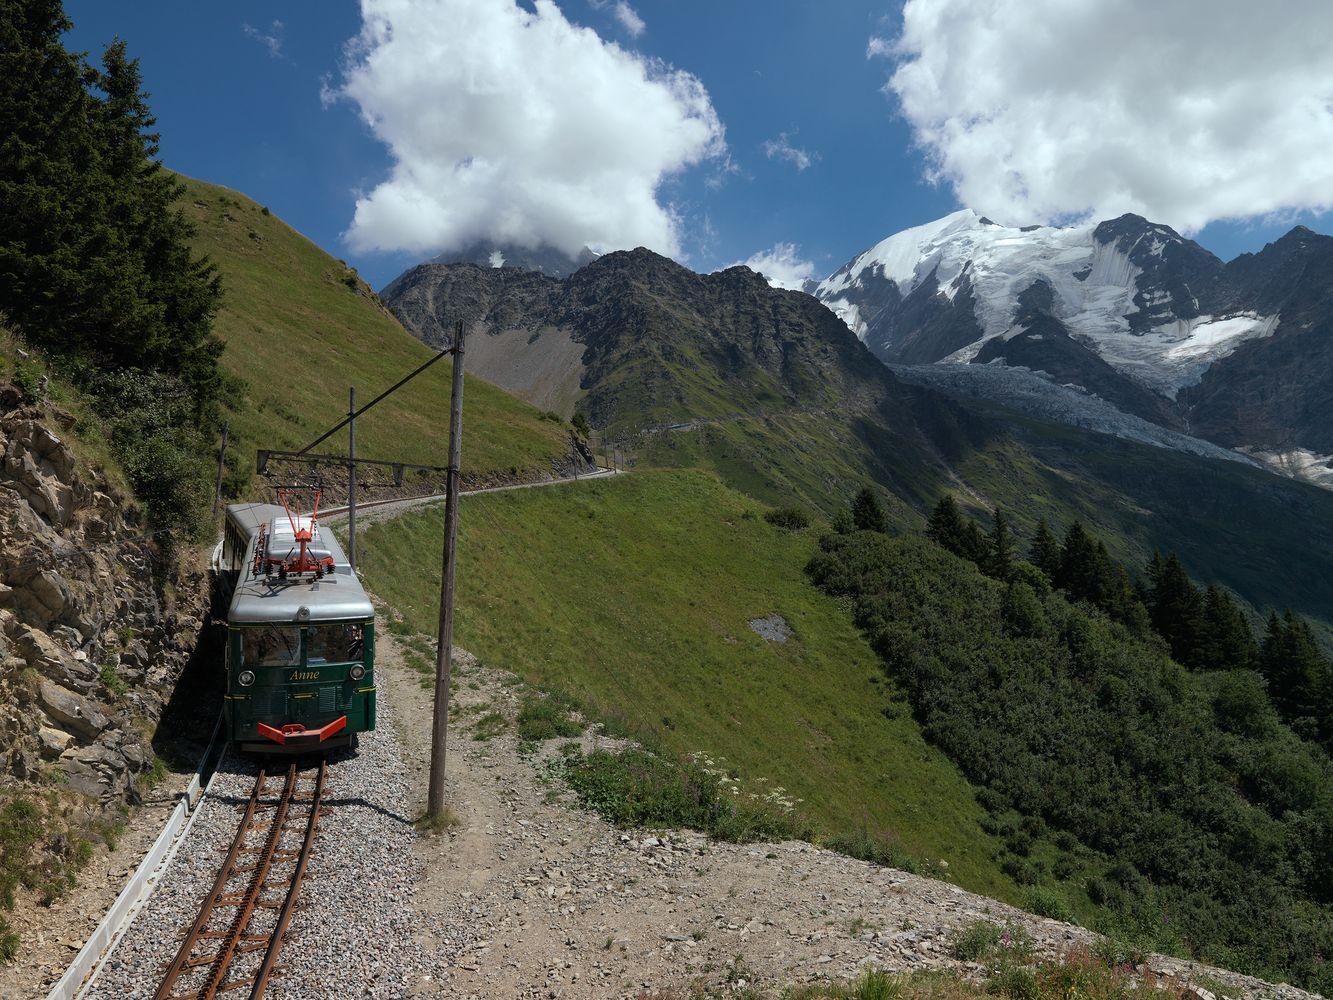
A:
{"x":999,"y":561}
{"x":95,"y":262}
{"x":1045,"y":550}
{"x":1177,"y":610}
{"x":1296,"y":671}
{"x":1228,"y":641}
{"x":867,"y":514}
{"x":974,"y":545}
{"x":1077,"y":573}
{"x":945,"y":525}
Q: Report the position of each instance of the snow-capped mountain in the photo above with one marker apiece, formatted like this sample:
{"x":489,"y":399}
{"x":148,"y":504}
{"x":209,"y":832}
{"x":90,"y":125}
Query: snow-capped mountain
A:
{"x":1127,"y":310}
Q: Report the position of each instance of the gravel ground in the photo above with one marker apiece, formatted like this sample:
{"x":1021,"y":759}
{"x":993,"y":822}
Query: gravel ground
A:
{"x":351,"y":934}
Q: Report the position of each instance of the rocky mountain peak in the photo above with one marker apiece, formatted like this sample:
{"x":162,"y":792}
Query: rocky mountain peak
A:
{"x":543,"y":258}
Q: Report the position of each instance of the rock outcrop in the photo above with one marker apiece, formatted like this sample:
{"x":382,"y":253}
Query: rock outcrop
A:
{"x":90,"y":644}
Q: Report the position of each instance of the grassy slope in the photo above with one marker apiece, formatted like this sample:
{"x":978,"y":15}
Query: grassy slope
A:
{"x":299,"y":335}
{"x":634,"y":594}
{"x":1269,"y":539}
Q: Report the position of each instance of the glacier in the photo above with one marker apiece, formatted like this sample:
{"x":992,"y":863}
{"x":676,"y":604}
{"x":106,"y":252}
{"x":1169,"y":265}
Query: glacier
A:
{"x":1094,"y":284}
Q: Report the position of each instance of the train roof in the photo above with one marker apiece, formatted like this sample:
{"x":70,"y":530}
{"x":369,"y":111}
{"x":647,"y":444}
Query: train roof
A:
{"x":337,"y":596}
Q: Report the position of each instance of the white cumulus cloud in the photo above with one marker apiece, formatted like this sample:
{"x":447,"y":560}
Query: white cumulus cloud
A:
{"x":782,"y":266}
{"x":1185,"y":112}
{"x":517,"y":126}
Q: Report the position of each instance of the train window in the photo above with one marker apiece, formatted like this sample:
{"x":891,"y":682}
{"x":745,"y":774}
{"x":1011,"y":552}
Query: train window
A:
{"x":333,"y":643}
{"x":274,"y":646}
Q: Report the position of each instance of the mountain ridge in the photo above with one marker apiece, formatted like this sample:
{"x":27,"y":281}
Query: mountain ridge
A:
{"x":767,"y":388}
{"x":1236,"y":353}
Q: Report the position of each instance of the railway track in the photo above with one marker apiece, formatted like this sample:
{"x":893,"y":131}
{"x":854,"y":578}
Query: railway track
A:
{"x":233,"y":944}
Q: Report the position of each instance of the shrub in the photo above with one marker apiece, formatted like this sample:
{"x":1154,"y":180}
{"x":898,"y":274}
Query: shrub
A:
{"x":1021,"y":870}
{"x":1046,"y":902}
{"x":1119,"y":954}
{"x":636,"y":787}
{"x":28,"y":377}
{"x":1064,"y":867}
{"x":1065,"y":840}
{"x":878,"y":849}
{"x":548,"y":717}
{"x":1015,"y":982}
{"x":788,"y":518}
{"x":976,"y":942}
{"x":1020,"y":842}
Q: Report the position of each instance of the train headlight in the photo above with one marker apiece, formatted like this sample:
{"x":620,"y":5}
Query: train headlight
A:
{"x":246,"y":677}
{"x":357,"y":672}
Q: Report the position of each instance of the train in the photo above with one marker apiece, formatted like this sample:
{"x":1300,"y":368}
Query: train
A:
{"x":300,"y":639}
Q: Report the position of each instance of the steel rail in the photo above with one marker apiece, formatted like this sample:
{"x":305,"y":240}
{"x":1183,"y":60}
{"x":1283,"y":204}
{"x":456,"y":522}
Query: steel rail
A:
{"x":178,"y":964}
{"x":288,"y":904}
{"x":235,"y":939}
{"x":258,"y":875}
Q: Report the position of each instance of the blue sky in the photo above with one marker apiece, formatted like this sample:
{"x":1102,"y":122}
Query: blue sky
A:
{"x":240,"y":109}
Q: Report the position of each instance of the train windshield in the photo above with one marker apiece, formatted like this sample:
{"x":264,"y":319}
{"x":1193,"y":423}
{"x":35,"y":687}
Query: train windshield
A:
{"x":273,"y":646}
{"x":333,"y":643}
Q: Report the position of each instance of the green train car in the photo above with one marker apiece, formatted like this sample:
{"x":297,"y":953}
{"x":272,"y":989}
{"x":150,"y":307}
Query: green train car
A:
{"x":300,"y":656}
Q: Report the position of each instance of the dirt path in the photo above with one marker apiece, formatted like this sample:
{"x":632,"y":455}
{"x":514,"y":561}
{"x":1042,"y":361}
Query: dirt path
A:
{"x":531,"y":896}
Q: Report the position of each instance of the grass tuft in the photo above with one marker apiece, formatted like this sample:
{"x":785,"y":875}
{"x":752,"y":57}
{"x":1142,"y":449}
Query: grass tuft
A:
{"x":445,"y":819}
{"x":548,"y":717}
{"x":638,"y":788}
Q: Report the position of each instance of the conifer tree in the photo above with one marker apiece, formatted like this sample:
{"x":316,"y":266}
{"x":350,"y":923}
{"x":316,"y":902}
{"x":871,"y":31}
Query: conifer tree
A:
{"x":867,"y":514}
{"x":1077,"y":574}
{"x":1296,"y":671}
{"x":945,"y":525}
{"x":1045,"y":550}
{"x":1177,"y":610}
{"x":973,"y":544}
{"x":95,"y":262}
{"x":1228,"y":641}
{"x":999,"y":561}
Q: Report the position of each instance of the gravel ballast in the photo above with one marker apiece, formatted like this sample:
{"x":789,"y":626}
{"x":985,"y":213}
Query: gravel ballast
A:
{"x":351,"y":934}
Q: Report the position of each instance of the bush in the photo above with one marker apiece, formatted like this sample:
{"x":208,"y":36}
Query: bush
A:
{"x":878,"y":849}
{"x":1046,"y":902}
{"x":636,"y":787}
{"x":1015,"y":982}
{"x":1021,"y":870}
{"x":976,"y":942}
{"x":548,"y":717}
{"x":788,"y":518}
{"x":1020,"y":842}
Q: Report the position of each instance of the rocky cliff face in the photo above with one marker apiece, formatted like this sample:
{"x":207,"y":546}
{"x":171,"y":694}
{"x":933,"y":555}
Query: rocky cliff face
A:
{"x":90,"y":646}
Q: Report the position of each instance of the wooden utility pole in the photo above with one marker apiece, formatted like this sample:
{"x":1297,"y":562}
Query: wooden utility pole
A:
{"x":222,"y":457}
{"x":440,"y":732}
{"x":351,"y":477}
